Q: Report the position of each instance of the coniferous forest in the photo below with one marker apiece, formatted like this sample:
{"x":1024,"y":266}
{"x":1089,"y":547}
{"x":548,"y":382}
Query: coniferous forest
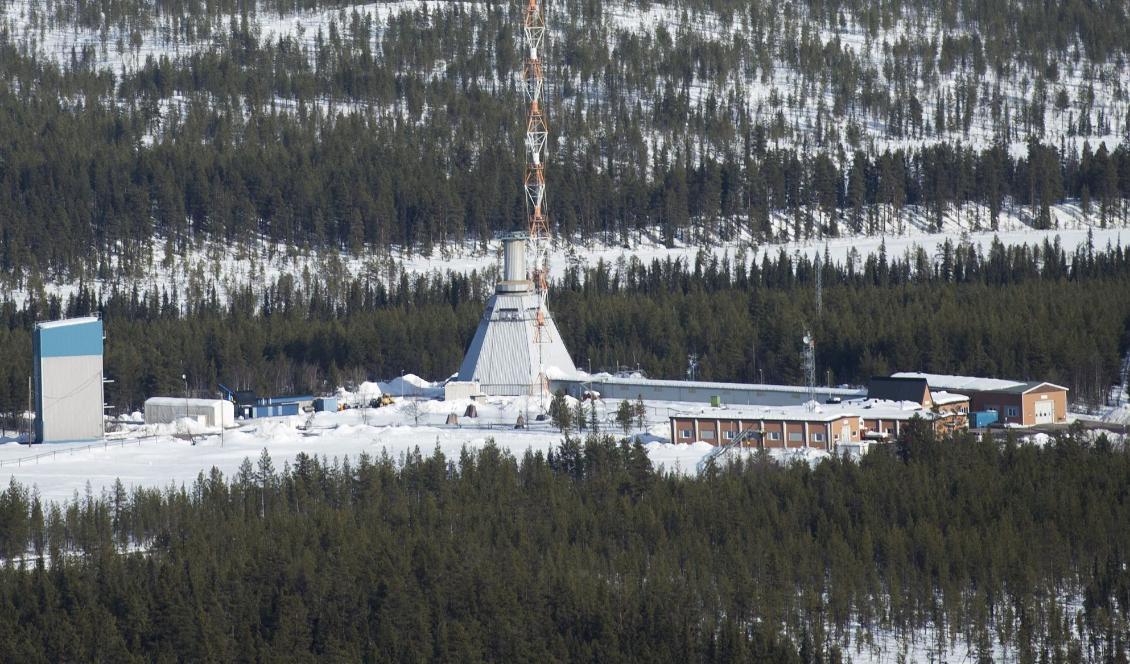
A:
{"x":126,"y":125}
{"x":1022,"y":312}
{"x":135,"y":135}
{"x":587,"y":554}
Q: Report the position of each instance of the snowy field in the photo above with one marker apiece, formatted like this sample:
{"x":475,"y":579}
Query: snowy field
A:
{"x":174,"y":454}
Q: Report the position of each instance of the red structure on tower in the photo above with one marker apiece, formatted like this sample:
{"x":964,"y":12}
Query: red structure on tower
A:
{"x":537,"y":134}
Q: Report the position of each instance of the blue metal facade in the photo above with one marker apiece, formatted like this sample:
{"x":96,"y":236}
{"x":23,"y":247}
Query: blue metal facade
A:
{"x":72,"y":340}
{"x":274,"y":410}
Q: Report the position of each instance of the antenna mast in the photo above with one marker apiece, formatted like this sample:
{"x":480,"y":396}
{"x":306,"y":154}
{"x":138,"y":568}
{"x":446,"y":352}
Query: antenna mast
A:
{"x":810,"y":368}
{"x":533,"y":29}
{"x":819,"y":287}
{"x":537,"y":133}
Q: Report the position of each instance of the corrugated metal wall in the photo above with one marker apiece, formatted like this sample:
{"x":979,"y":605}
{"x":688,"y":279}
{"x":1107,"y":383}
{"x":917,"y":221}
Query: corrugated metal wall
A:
{"x":68,"y":381}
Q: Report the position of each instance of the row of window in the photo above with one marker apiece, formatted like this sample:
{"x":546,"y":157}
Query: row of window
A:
{"x":1009,"y":411}
{"x":794,"y":436}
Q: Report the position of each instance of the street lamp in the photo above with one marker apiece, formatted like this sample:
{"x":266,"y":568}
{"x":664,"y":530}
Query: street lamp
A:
{"x":184,"y":377}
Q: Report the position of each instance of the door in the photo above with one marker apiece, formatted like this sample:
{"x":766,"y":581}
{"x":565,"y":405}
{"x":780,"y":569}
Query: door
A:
{"x":1045,"y":412}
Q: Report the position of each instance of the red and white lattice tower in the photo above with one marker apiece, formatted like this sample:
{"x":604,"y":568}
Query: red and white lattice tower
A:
{"x":533,"y":29}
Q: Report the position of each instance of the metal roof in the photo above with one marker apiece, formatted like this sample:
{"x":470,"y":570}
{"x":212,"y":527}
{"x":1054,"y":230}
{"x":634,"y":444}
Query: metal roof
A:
{"x":66,"y":322}
{"x":942,"y":398}
{"x":897,"y":388}
{"x":505,"y":356}
{"x":1025,"y":388}
{"x":600,"y":378}
{"x":959,"y":383}
{"x":865,"y":408}
{"x":974,"y":384}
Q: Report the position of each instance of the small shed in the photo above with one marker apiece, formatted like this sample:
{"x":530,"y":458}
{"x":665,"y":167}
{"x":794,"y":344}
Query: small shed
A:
{"x":211,"y":412}
{"x":275,"y":410}
{"x":325,"y":405}
{"x":452,"y":418}
{"x":461,"y":389}
{"x":980,"y":419}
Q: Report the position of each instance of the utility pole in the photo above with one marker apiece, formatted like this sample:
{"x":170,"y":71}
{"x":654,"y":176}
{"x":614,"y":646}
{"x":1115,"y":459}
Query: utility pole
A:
{"x":810,"y":368}
{"x":24,"y":420}
{"x":819,"y":288}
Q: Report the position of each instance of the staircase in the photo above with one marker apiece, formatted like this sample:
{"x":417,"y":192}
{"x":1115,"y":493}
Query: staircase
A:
{"x":720,"y":450}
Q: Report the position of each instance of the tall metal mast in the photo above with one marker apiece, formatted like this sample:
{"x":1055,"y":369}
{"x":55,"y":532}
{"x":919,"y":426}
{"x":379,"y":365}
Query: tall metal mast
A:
{"x":537,"y":133}
{"x":810,"y":368}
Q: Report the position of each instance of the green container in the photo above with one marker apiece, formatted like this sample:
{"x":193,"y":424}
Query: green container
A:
{"x":716,"y":401}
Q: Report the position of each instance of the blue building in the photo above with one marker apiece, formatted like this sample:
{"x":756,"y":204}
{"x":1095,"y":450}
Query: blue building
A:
{"x":68,"y":380}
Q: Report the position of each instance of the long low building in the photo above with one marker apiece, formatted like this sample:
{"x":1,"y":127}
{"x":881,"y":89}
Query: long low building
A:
{"x":691,"y":391}
{"x":823,"y":426}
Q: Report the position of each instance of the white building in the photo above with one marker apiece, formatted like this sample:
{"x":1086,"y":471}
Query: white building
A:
{"x":209,"y":412}
{"x":68,"y":380}
{"x":517,"y":348}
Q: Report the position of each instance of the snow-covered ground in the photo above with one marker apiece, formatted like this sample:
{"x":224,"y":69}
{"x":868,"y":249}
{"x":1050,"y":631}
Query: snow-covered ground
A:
{"x":160,"y":455}
{"x":164,"y":454}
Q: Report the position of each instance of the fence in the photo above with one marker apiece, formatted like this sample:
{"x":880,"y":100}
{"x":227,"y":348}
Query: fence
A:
{"x":105,"y":444}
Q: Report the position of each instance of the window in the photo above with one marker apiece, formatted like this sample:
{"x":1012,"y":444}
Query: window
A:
{"x":890,"y":431}
{"x":1011,"y":411}
{"x":961,"y":409}
{"x":685,"y":433}
{"x":795,"y":436}
{"x":774,"y":435}
{"x":707,"y":435}
{"x":731,"y":434}
{"x":818,"y":437}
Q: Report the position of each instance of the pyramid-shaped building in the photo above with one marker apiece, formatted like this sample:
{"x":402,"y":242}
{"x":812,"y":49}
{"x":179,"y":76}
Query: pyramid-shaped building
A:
{"x":516,"y":348}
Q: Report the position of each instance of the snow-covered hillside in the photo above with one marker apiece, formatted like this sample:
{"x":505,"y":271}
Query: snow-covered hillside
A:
{"x":953,"y":97}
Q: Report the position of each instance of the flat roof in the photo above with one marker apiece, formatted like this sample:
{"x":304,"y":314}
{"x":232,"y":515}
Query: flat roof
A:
{"x":972,"y":383}
{"x":941,"y":397}
{"x":181,"y":402}
{"x":66,"y":322}
{"x":598,"y":378}
{"x":975,"y":384}
{"x":865,"y":408}
{"x":1025,"y":388}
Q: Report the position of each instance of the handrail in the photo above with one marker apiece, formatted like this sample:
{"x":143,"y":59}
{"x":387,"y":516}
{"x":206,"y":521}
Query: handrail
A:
{"x":104,"y":444}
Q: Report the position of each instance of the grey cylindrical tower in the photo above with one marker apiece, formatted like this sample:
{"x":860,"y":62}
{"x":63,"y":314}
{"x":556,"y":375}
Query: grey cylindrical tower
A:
{"x":514,"y":277}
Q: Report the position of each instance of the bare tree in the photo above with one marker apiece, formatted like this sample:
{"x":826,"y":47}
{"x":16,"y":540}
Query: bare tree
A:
{"x":413,"y":408}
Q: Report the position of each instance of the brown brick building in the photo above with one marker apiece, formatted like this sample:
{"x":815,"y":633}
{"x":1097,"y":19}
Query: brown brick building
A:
{"x":825,"y":427}
{"x":1016,"y":402}
{"x":952,"y":409}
